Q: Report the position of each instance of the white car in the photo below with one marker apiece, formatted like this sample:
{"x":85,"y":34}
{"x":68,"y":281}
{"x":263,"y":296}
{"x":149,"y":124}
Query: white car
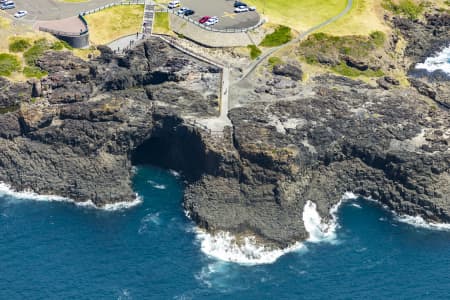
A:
{"x":240,"y":9}
{"x":182,"y":10}
{"x":251,"y":8}
{"x":212,"y":21}
{"x":21,"y":13}
{"x":173,"y":4}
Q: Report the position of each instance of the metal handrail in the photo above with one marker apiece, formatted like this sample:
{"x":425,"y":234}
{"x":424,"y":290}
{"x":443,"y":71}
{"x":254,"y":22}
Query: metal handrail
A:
{"x":233,"y":30}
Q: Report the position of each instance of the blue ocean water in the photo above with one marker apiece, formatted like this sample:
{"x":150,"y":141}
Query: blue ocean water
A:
{"x":51,"y":250}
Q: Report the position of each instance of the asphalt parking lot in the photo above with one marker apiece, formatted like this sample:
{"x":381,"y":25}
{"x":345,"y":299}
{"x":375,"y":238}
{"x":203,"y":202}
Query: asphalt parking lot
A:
{"x":52,"y":9}
{"x":223,"y":9}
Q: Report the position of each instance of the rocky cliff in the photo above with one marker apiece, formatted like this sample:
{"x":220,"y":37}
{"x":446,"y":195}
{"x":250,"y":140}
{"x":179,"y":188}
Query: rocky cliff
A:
{"x":78,"y":132}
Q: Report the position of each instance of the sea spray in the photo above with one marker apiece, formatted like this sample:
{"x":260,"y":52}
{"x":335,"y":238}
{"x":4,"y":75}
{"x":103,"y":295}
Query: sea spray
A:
{"x":247,"y":251}
{"x":7,"y":191}
{"x":319,"y":231}
{"x":441,"y":61}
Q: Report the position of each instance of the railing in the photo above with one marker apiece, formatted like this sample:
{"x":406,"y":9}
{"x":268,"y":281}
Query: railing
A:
{"x":131,"y":2}
{"x":171,"y":42}
{"x":65,"y":33}
{"x":232,"y":30}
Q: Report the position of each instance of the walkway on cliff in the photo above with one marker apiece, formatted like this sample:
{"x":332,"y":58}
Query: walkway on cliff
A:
{"x":121,"y":45}
{"x":252,"y":67}
{"x":72,"y":25}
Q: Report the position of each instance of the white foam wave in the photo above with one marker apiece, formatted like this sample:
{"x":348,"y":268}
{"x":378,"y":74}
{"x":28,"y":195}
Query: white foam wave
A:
{"x":156,"y":185}
{"x":439,"y":62}
{"x":174,"y":173}
{"x":247,"y":251}
{"x":320,"y":231}
{"x":7,"y":191}
{"x":148,"y":220}
{"x":418,"y":221}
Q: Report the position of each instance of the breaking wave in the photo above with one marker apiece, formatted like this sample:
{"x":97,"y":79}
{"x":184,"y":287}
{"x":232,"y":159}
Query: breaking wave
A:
{"x":318,"y":230}
{"x":7,"y":191}
{"x":418,"y":221}
{"x":439,"y":62}
{"x":157,"y":185}
{"x":246,"y":251}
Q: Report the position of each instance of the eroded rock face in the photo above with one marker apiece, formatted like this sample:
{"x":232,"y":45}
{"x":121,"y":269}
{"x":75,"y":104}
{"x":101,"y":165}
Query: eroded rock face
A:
{"x":77,"y":139}
{"x":389,"y":146}
{"x":290,"y":141}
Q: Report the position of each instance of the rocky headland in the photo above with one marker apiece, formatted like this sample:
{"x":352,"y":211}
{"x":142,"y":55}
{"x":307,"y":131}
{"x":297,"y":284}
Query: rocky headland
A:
{"x":78,"y":132}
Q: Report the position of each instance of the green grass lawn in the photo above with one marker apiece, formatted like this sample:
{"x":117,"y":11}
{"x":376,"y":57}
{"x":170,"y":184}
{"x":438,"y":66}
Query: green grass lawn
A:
{"x":112,"y":23}
{"x":298,"y":14}
{"x":161,"y":23}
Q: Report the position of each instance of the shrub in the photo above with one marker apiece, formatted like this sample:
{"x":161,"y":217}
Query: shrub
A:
{"x":275,"y":61}
{"x":378,"y":38}
{"x":8,"y":63}
{"x":280,"y":36}
{"x":19,"y":45}
{"x":38,"y":48}
{"x":34,"y":72}
{"x":60,"y":45}
{"x":345,"y":70}
{"x":254,"y":51}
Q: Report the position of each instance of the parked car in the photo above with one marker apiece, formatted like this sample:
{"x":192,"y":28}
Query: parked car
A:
{"x":3,"y":1}
{"x":173,"y":4}
{"x":251,"y":8}
{"x":238,"y":3}
{"x":182,"y":10}
{"x":21,"y":13}
{"x":204,"y":19}
{"x":212,"y":21}
{"x":241,"y":9}
{"x":189,"y":12}
{"x":8,"y":5}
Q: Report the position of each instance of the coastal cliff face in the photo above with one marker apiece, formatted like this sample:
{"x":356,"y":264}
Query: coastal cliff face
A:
{"x":78,"y":132}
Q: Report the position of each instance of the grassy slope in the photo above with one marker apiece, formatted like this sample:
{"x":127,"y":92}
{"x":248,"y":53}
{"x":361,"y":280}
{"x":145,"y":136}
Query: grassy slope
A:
{"x":298,"y":14}
{"x":366,"y":16}
{"x":107,"y":25}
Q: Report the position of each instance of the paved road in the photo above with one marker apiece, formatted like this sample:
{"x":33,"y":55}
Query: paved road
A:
{"x":53,"y":9}
{"x":256,"y":63}
{"x":224,"y":10}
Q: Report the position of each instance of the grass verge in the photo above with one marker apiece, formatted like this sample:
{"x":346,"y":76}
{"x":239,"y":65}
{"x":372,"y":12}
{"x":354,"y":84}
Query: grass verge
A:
{"x":9,"y":63}
{"x":254,"y":51}
{"x":280,"y":36}
{"x":161,"y":23}
{"x":112,"y":23}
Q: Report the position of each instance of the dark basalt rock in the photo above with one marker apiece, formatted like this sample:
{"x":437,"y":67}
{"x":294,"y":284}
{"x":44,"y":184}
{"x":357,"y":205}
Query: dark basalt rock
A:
{"x":95,"y":119}
{"x":288,"y":70}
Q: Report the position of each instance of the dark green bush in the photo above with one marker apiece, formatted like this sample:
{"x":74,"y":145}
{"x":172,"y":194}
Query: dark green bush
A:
{"x":280,"y":36}
{"x":19,"y":45}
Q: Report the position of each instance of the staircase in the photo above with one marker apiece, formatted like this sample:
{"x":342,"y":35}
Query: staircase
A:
{"x":149,"y":13}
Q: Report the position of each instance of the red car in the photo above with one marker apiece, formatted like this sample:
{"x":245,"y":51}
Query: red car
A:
{"x":204,"y":19}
